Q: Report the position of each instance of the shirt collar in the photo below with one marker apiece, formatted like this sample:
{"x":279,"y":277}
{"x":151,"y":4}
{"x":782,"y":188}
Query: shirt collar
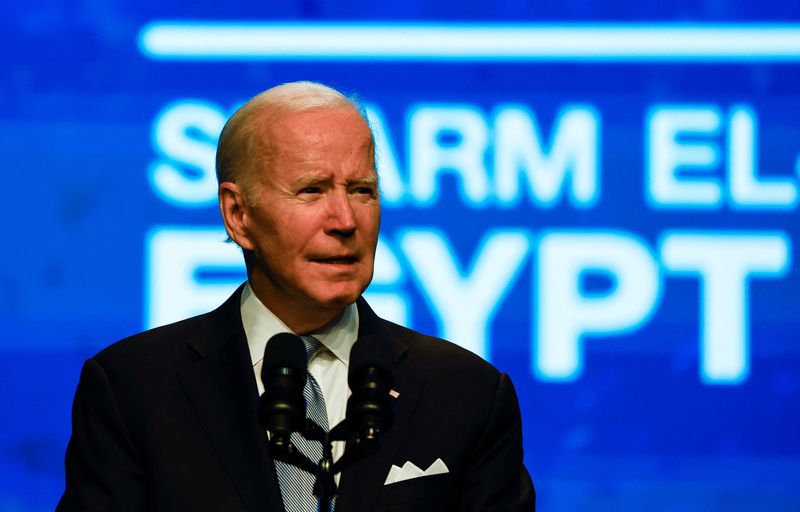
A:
{"x":261,"y":324}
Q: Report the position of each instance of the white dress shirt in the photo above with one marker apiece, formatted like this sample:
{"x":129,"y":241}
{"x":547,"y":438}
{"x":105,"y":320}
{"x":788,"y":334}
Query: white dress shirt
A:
{"x":329,"y":367}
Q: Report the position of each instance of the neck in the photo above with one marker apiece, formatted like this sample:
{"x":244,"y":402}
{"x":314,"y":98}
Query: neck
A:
{"x":300,"y":318}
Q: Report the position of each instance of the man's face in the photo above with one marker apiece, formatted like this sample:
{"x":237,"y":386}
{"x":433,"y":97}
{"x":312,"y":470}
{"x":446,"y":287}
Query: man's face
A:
{"x":315,"y":225}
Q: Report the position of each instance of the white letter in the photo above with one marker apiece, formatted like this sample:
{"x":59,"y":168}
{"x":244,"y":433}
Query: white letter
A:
{"x":724,"y":263}
{"x":464,"y":155}
{"x":383,"y":294}
{"x":186,"y":133}
{"x":391,"y":184}
{"x":565,"y":314}
{"x":668,"y":155}
{"x":465,"y":303}
{"x":573,"y":151}
{"x":175,"y":287}
{"x":745,"y":187}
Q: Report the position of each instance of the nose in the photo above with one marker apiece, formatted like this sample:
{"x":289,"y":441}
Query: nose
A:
{"x":341,"y":217}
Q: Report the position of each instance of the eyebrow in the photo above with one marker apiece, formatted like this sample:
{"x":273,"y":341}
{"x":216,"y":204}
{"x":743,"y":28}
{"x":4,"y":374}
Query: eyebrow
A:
{"x":309,"y":180}
{"x":370,"y":180}
{"x":315,"y":180}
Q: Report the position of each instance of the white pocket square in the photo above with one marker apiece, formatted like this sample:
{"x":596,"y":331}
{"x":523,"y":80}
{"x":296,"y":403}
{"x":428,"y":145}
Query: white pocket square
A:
{"x":409,"y":471}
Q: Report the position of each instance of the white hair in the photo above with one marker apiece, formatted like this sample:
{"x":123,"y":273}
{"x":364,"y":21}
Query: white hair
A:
{"x":236,"y":150}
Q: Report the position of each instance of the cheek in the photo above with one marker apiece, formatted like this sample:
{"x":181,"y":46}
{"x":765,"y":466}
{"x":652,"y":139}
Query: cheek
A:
{"x":284,"y":229}
{"x":297,"y":240}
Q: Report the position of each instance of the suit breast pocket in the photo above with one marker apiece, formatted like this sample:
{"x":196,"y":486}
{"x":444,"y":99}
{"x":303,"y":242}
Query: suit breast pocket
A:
{"x":417,"y":494}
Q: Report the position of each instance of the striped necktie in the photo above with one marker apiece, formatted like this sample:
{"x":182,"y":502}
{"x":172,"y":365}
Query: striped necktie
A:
{"x":297,"y":486}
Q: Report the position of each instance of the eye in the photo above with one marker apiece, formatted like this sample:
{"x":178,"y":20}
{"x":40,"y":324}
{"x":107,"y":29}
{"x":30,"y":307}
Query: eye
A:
{"x":366,"y":190}
{"x":310,"y":190}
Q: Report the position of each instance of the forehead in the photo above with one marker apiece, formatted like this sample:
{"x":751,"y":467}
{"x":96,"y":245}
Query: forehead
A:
{"x":317,"y":132}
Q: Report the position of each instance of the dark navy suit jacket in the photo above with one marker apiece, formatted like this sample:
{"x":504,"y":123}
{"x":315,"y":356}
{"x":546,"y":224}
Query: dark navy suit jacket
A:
{"x":166,"y":420}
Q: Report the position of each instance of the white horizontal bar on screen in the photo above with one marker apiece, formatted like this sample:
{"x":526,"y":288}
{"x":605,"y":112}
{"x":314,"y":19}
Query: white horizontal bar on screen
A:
{"x":218,"y":41}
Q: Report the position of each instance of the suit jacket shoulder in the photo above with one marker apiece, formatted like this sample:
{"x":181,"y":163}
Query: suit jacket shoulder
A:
{"x":167,"y":344}
{"x":166,"y":420}
{"x":437,"y":356}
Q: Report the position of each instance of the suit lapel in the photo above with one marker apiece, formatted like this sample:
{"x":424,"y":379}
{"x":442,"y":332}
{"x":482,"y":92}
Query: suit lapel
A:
{"x":221,"y":387}
{"x":361,"y":482}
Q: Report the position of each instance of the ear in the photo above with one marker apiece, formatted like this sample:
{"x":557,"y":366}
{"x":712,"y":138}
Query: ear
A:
{"x":234,"y":210}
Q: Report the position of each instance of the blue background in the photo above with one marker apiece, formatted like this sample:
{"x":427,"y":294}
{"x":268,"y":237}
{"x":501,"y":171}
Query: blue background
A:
{"x":637,"y":430}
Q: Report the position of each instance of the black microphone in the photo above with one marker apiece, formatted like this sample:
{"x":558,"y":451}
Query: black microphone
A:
{"x":282,"y":408}
{"x":369,"y":408}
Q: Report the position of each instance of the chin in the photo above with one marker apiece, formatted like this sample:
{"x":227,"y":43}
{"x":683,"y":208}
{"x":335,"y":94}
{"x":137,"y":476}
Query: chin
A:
{"x":339,"y":301}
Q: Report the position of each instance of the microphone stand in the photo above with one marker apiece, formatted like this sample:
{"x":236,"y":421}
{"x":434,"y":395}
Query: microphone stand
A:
{"x":281,"y":411}
{"x":325,"y":484}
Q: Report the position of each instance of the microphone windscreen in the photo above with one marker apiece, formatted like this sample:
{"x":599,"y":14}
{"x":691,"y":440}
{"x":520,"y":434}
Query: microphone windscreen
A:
{"x":281,"y":408}
{"x":369,"y":408}
{"x":284,"y":350}
{"x":368,"y":352}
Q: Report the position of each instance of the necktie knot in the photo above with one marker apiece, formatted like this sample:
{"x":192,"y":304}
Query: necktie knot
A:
{"x":313,"y":345}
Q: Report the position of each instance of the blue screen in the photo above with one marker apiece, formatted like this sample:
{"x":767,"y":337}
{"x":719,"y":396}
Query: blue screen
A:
{"x":599,"y":198}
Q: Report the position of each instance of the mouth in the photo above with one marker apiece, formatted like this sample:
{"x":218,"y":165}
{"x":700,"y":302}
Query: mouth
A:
{"x":336,"y":260}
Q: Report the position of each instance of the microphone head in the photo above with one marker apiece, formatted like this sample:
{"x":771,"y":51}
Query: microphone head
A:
{"x":369,"y":408}
{"x":282,"y":406}
{"x":367,"y":352}
{"x":284,"y":350}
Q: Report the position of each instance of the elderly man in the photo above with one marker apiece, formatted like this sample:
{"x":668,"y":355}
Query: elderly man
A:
{"x":166,"y":420}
